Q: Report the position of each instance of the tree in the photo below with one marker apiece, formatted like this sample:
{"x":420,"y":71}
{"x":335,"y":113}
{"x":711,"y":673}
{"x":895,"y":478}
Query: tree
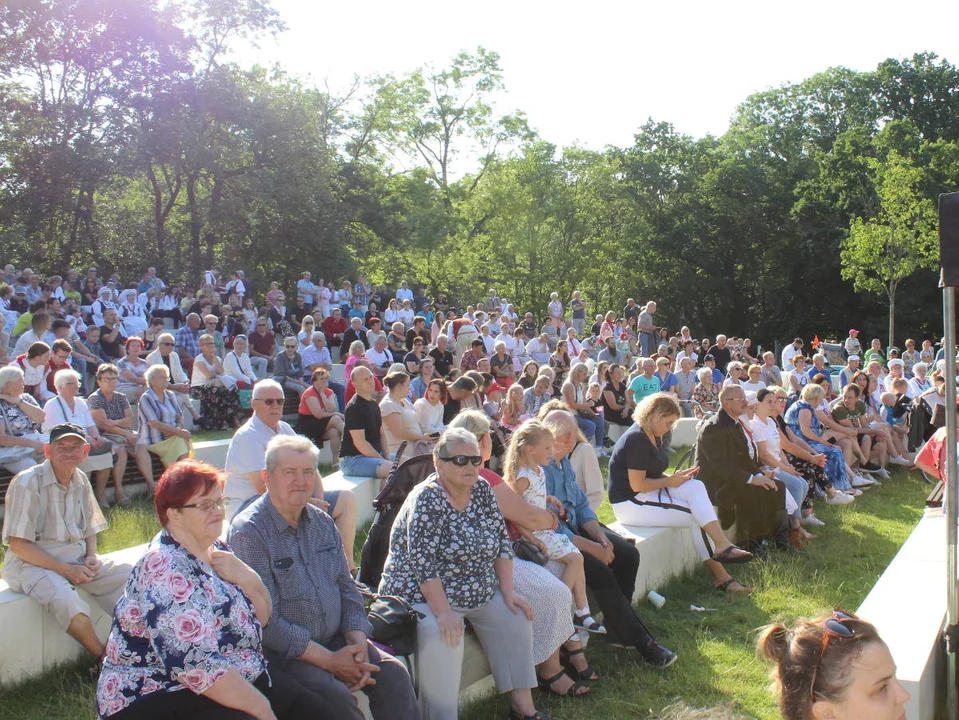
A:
{"x":882,"y":251}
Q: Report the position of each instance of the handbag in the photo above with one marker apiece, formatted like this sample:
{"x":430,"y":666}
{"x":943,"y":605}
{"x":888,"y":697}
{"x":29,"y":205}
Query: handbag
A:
{"x":394,"y":623}
{"x":170,"y":449}
{"x":525,"y":550}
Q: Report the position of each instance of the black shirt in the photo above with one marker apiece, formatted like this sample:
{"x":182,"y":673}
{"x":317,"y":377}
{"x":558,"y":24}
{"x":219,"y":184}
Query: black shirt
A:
{"x":616,"y":416}
{"x":443,"y":361}
{"x":411,"y":335}
{"x":361,"y":414}
{"x":451,"y":409}
{"x":113,"y":349}
{"x":351,"y":336}
{"x":722,"y":355}
{"x":633,"y":451}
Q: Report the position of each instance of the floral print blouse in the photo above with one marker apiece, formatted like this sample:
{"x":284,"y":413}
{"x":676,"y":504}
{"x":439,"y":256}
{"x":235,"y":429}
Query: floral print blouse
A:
{"x":432,"y":539}
{"x":177,"y":626}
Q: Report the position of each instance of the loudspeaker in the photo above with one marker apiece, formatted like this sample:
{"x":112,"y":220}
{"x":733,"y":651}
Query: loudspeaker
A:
{"x":949,"y":239}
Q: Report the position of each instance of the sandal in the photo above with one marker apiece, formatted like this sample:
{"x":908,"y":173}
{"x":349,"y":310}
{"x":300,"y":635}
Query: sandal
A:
{"x":124,"y":501}
{"x":724,"y":586}
{"x":587,"y":675}
{"x":733,"y":556}
{"x":577,"y":689}
{"x":516,"y":715}
{"x":588,"y":623}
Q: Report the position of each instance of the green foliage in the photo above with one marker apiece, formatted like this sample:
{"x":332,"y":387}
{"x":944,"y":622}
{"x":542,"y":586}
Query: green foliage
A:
{"x":129,"y":138}
{"x":883,"y":250}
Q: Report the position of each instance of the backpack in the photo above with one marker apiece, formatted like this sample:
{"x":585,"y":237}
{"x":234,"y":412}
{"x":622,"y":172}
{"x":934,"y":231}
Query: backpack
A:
{"x":402,"y":480}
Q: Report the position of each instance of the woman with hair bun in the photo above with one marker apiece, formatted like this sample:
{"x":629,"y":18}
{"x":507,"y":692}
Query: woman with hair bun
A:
{"x":835,"y":667}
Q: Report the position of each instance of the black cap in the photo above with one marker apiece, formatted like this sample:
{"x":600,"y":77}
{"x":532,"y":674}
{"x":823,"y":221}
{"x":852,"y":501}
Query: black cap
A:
{"x":67,"y":430}
{"x":708,"y":356}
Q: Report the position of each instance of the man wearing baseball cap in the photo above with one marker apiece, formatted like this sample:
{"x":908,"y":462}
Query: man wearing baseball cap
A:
{"x":853,"y":346}
{"x":50,"y":528}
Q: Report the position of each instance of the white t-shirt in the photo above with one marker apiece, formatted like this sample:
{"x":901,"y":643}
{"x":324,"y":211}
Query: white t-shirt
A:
{"x":754,"y":386}
{"x":767,"y":432}
{"x":789,"y":352}
{"x":57,"y":412}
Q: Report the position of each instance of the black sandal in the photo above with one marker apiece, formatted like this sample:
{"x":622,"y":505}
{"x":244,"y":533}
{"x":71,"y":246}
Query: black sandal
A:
{"x":724,"y":587}
{"x":514,"y":715}
{"x":587,"y":675}
{"x":574,"y":690}
{"x":726,"y":557}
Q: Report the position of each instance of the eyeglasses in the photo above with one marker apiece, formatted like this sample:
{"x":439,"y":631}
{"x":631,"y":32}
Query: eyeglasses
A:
{"x":207,"y":506}
{"x":462,"y":460}
{"x":834,"y":627}
{"x":166,"y":344}
{"x":270,"y":401}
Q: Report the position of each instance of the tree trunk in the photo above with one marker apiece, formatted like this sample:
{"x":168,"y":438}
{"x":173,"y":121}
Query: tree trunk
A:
{"x":891,"y":292}
{"x":196,"y":224}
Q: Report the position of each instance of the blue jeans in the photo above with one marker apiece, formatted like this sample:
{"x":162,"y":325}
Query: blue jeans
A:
{"x":360,"y":465}
{"x":795,"y":486}
{"x":593,"y":429}
{"x":80,"y":365}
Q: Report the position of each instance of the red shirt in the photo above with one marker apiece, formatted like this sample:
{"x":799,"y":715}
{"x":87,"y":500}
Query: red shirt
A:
{"x":493,"y":479}
{"x":304,"y":409}
{"x":332,"y":326}
{"x":262,"y":344}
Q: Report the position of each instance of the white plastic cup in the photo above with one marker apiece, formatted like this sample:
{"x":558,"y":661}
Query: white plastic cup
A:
{"x":656,"y":599}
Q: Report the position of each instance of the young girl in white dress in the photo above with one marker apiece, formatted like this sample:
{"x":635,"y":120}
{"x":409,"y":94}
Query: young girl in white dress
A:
{"x":531,"y":447}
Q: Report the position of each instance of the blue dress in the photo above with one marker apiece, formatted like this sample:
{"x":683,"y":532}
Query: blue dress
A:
{"x":835,"y":463}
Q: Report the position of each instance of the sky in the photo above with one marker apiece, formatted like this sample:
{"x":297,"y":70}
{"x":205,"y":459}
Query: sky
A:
{"x":591,"y":73}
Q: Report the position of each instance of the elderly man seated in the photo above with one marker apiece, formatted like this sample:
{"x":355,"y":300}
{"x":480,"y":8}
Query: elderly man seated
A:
{"x":318,"y":633}
{"x":737,"y":483}
{"x":538,"y":349}
{"x":50,"y":528}
{"x":246,"y":458}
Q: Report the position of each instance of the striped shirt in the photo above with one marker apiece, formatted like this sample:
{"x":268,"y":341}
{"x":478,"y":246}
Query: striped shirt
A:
{"x":71,"y":513}
{"x":152,"y":409}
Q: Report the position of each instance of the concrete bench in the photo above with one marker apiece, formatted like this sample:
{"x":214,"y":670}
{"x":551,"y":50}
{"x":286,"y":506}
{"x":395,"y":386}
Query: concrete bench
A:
{"x":908,"y":607}
{"x":664,"y":553}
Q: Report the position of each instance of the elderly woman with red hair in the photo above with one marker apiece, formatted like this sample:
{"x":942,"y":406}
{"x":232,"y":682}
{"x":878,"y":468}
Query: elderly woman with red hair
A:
{"x":186,"y":639}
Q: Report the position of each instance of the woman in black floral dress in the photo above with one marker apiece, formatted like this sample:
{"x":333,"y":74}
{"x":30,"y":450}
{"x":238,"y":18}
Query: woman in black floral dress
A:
{"x":451,"y":558}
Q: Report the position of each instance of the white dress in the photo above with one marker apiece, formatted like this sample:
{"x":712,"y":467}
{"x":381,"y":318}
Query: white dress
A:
{"x":557,"y":545}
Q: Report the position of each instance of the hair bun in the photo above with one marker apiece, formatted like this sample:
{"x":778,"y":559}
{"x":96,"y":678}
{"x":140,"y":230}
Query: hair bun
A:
{"x":773,"y":642}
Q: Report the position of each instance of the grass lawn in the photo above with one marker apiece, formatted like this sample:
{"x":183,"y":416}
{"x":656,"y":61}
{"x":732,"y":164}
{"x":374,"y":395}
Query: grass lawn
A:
{"x":716,"y":666}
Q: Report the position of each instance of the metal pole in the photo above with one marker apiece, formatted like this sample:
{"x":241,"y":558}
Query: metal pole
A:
{"x":952,"y":504}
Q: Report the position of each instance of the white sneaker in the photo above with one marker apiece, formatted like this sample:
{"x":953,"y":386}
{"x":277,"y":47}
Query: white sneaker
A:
{"x":884,"y":474}
{"x":900,"y":460}
{"x":811,"y":521}
{"x":860,"y":481}
{"x":840,"y":498}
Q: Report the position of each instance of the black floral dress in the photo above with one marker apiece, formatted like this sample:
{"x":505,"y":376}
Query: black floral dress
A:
{"x":432,"y":539}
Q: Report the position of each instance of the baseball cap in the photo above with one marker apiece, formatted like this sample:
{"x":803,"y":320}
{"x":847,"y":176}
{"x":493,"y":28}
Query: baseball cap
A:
{"x":853,"y":330}
{"x":853,"y":357}
{"x":67,"y":430}
{"x":709,"y":356}
{"x":496,"y":387}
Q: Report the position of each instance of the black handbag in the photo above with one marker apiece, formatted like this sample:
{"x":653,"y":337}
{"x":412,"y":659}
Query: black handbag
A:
{"x":394,"y":623}
{"x":525,"y":550}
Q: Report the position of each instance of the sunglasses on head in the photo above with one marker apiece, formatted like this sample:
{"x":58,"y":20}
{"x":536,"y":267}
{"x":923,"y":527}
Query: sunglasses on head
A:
{"x":270,"y":401}
{"x":834,"y":627}
{"x":462,"y":460}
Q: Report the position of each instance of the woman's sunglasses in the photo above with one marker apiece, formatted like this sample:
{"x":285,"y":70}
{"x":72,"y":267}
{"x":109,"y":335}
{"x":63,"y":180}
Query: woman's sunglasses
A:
{"x":462,"y":460}
{"x":834,"y":627}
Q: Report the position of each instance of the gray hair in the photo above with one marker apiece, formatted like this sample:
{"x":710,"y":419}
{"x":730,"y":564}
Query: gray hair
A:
{"x":357,"y":345}
{"x":9,"y":374}
{"x":153,"y":370}
{"x":263,"y":385}
{"x":62,"y":376}
{"x":454,"y":436}
{"x":561,"y":423}
{"x":293,"y":443}
{"x":166,"y":336}
{"x":704,"y":373}
{"x":472,"y":421}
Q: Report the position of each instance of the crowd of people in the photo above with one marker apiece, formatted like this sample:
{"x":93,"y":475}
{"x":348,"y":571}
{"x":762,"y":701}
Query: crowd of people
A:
{"x":247,"y":599}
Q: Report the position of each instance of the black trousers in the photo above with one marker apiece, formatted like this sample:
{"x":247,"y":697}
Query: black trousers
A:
{"x":612,"y":585}
{"x":290,"y":700}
